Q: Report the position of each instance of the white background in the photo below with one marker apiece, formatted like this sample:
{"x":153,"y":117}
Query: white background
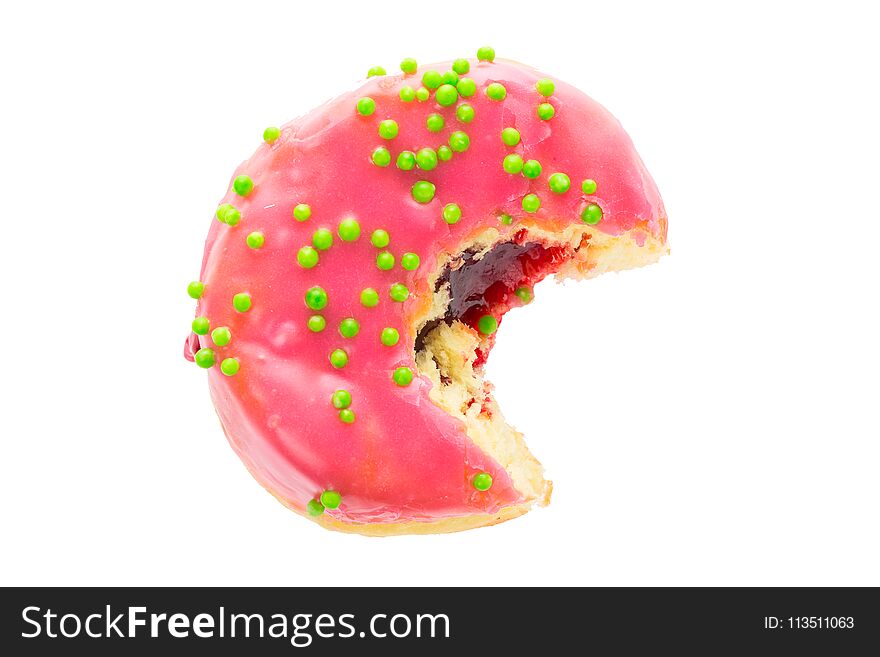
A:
{"x":708,"y":420}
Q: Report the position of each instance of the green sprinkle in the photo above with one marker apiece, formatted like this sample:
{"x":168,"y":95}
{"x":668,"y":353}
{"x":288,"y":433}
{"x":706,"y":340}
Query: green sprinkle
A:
{"x":316,"y":298}
{"x":381,"y":157}
{"x":314,"y":508}
{"x":512,"y":163}
{"x":376,"y":70}
{"x":346,"y":415}
{"x":307,"y":257}
{"x":388,"y":129}
{"x":546,"y":111}
{"x":402,"y":376}
{"x":435,"y":122}
{"x":466,"y":87}
{"x":422,"y":94}
{"x":317,"y":323}
{"x":338,"y":358}
{"x":483,"y":481}
{"x":461,"y":66}
{"x":487,"y":324}
{"x":531,"y":203}
{"x":532,"y":169}
{"x":407,"y":94}
{"x":423,"y":191}
{"x":432,"y":79}
{"x":205,"y":358}
{"x":409,"y":261}
{"x":228,"y":214}
{"x":399,"y":292}
{"x":366,"y":106}
{"x":385,"y":261}
{"x":510,"y":136}
{"x":496,"y":91}
{"x":322,"y":239}
{"x":409,"y":66}
{"x":451,"y":213}
{"x":559,"y":183}
{"x":195,"y":289}
{"x":426,"y":158}
{"x":525,"y":294}
{"x":389,"y":336}
{"x":256,"y":240}
{"x":331,"y":499}
{"x":545,"y":87}
{"x":459,"y":141}
{"x":406,"y":161}
{"x":369,"y":297}
{"x":201,"y":326}
{"x":349,"y":230}
{"x":450,"y":77}
{"x":592,"y":214}
{"x":486,"y":54}
{"x":242,"y":302}
{"x":302,"y":212}
{"x":444,"y":153}
{"x":349,"y":327}
{"x":243,"y":185}
{"x":230,"y":366}
{"x":340,"y":399}
{"x":446,"y":95}
{"x":505,"y":219}
{"x":380,"y":238}
{"x":464,"y":113}
{"x":589,"y":186}
{"x":271,"y":134}
{"x":221,"y":336}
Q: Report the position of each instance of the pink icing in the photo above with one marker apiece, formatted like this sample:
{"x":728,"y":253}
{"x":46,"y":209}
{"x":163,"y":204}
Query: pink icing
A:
{"x":403,"y":458}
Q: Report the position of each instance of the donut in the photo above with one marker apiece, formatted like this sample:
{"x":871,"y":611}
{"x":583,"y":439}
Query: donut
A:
{"x":358,"y":268}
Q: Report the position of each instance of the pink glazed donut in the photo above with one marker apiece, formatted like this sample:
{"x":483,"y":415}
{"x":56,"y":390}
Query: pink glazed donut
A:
{"x":360,"y":264}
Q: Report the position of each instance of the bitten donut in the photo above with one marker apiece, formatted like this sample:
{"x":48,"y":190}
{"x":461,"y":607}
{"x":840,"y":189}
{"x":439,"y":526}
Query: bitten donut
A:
{"x":363,"y":259}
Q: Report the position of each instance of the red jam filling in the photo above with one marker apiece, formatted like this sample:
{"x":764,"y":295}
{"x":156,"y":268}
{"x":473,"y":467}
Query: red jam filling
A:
{"x":489,"y":285}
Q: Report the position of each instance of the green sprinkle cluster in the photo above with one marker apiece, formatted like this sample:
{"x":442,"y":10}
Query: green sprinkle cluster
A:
{"x":228,"y":214}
